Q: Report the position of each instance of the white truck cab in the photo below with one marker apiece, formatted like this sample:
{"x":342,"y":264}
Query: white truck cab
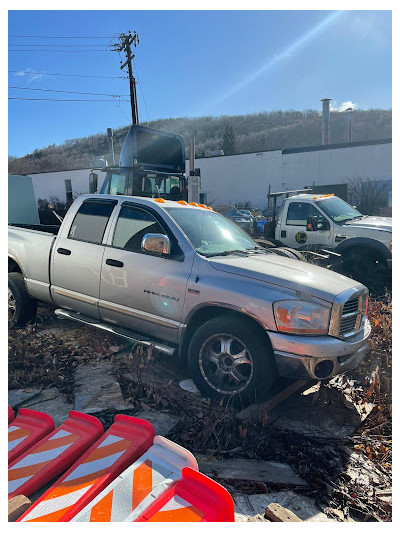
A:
{"x":325,"y":221}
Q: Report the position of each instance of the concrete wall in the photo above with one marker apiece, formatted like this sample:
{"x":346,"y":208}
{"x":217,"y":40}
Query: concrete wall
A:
{"x":245,"y":177}
{"x":338,"y":165}
{"x":50,"y":184}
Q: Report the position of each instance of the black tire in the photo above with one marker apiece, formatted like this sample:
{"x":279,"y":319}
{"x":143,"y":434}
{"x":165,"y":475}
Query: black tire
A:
{"x":289,"y":252}
{"x":365,"y":267}
{"x":220,"y":377}
{"x":21,"y":307}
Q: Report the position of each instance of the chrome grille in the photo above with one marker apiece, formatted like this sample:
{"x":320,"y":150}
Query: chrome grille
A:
{"x":347,"y":317}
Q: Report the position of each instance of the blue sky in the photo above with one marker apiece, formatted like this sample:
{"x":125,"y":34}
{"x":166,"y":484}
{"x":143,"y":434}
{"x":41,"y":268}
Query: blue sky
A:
{"x":190,"y":63}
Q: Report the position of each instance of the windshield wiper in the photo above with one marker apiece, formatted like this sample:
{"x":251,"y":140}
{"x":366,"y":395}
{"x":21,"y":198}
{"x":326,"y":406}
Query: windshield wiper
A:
{"x":227,"y":252}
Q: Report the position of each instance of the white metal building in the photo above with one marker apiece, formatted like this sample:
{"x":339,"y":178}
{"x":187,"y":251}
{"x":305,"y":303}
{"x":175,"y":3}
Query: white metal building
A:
{"x":246,"y":177}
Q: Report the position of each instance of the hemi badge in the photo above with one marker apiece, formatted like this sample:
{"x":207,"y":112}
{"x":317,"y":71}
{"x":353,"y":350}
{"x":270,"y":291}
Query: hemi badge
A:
{"x":193,"y":291}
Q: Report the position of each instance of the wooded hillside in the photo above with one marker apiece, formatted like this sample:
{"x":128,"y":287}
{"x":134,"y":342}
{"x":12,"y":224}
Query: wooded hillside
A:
{"x":254,"y":132}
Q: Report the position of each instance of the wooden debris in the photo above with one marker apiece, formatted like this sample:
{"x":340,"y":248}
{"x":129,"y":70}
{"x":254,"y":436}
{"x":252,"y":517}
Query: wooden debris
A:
{"x":245,"y":469}
{"x":17,"y":506}
{"x":277,"y":513}
{"x":256,"y":413}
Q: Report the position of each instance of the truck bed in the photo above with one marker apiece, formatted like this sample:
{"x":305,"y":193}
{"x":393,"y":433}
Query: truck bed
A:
{"x":31,"y":245}
{"x":53,"y":229}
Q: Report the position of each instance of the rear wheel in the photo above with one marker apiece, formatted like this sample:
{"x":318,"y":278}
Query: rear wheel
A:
{"x":230,"y":358}
{"x":21,"y":307}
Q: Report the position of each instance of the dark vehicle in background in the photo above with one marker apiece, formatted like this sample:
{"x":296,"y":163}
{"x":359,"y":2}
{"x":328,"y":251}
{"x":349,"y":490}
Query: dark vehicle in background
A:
{"x":241,"y":217}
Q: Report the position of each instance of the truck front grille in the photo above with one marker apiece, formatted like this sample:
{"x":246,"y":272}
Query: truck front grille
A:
{"x":348,"y":314}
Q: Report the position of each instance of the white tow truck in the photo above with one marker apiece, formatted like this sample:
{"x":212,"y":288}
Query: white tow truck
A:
{"x":325,"y":223}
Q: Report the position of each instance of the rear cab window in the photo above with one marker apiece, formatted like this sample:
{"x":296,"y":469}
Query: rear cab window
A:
{"x":91,"y":220}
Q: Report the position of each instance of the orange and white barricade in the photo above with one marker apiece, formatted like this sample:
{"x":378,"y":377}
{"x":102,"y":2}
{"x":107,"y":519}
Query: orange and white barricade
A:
{"x":25,"y":430}
{"x":10,"y":414}
{"x":138,"y":486}
{"x":126,"y":440}
{"x":194,"y":498}
{"x":53,"y":454}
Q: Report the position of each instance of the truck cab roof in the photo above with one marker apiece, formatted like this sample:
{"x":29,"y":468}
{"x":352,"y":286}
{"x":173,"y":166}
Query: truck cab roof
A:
{"x":310,"y":197}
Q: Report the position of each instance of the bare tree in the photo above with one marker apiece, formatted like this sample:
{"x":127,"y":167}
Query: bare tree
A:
{"x":364,"y":192}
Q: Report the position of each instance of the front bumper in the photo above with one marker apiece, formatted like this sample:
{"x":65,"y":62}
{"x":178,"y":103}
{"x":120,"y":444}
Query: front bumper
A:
{"x":318,"y":357}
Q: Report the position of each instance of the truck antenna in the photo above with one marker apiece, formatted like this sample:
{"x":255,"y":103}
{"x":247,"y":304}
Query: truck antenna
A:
{"x":124,"y":45}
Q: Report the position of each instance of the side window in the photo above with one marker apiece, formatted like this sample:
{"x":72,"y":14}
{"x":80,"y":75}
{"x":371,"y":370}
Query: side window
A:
{"x":297,"y":214}
{"x":117,"y":184}
{"x":90,"y":221}
{"x":132,"y":225}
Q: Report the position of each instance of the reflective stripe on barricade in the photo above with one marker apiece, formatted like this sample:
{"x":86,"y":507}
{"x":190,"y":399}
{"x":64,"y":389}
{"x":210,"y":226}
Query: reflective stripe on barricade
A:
{"x":132,"y":492}
{"x":10,"y":414}
{"x":194,"y":498}
{"x":27,"y":429}
{"x":126,"y":440}
{"x":53,"y":454}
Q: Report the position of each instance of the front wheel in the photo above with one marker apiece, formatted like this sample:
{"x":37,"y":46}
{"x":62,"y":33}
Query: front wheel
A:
{"x":229,"y":357}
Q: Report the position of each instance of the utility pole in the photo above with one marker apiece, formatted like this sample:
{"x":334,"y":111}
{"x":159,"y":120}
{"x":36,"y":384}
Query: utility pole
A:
{"x":124,"y":45}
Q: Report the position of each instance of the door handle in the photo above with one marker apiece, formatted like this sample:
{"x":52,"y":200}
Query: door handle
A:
{"x":63,"y":251}
{"x":114,"y":263}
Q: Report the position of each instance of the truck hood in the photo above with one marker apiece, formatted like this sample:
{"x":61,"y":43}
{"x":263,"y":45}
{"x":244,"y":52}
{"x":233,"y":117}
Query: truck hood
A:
{"x":289,"y":273}
{"x":380,"y":223}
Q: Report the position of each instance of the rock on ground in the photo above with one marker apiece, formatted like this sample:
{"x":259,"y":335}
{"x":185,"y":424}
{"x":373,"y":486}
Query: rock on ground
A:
{"x":97,"y":389}
{"x":252,"y":508}
{"x":163,"y":422}
{"x":49,"y":401}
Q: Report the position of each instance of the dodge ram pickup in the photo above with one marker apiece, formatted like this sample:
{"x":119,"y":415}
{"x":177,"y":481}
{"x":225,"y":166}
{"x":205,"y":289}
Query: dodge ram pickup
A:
{"x":192,"y":283}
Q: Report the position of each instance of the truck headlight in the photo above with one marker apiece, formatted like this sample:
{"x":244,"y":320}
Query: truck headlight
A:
{"x":297,"y":316}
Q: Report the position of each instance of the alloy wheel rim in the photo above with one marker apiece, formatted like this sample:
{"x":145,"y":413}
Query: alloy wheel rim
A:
{"x":226,"y":363}
{"x":12,"y":306}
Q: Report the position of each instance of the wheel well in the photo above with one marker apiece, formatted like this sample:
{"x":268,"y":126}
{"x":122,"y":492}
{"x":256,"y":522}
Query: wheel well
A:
{"x":13,"y":266}
{"x":207,"y":313}
{"x":352,"y":252}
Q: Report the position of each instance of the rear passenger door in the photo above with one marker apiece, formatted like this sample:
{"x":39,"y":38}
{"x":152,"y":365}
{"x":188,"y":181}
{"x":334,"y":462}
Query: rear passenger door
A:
{"x":77,"y":258}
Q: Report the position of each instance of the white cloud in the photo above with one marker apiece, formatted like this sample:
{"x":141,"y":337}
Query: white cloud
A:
{"x":343,"y":106}
{"x":29,"y":74}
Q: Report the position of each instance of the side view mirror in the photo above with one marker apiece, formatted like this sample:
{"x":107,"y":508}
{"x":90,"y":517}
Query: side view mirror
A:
{"x":312,"y":224}
{"x":93,"y":183}
{"x":156,"y":243}
{"x":324,"y":225}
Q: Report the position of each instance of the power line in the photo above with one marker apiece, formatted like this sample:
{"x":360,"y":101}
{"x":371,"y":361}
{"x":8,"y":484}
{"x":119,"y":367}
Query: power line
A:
{"x":63,"y":100}
{"x":66,"y":75}
{"x":141,"y":90}
{"x":58,"y":37}
{"x":45,"y":50}
{"x":62,"y":45}
{"x":70,"y":92}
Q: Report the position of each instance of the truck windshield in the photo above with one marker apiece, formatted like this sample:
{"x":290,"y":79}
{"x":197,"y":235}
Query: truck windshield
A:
{"x":337,"y":209}
{"x":142,"y":183}
{"x":211,"y":233}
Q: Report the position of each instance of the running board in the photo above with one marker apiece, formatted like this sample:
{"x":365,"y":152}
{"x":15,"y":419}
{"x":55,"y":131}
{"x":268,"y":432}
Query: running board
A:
{"x":121,"y":332}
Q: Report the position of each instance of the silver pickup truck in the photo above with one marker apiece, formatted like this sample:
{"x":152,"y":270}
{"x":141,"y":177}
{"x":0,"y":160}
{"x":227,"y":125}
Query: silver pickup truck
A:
{"x":192,"y":283}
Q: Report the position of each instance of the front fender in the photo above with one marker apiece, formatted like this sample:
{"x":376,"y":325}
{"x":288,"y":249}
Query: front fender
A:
{"x":352,"y":242}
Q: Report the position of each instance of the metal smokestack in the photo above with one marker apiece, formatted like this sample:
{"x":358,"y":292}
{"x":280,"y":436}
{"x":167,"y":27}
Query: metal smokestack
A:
{"x":110,"y":137}
{"x":191,"y":155}
{"x":326,"y":124}
{"x":349,"y":112}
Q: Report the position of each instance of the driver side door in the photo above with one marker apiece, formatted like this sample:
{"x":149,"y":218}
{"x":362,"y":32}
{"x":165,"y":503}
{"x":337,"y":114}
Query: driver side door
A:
{"x":139,"y":290}
{"x":295,"y":227}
